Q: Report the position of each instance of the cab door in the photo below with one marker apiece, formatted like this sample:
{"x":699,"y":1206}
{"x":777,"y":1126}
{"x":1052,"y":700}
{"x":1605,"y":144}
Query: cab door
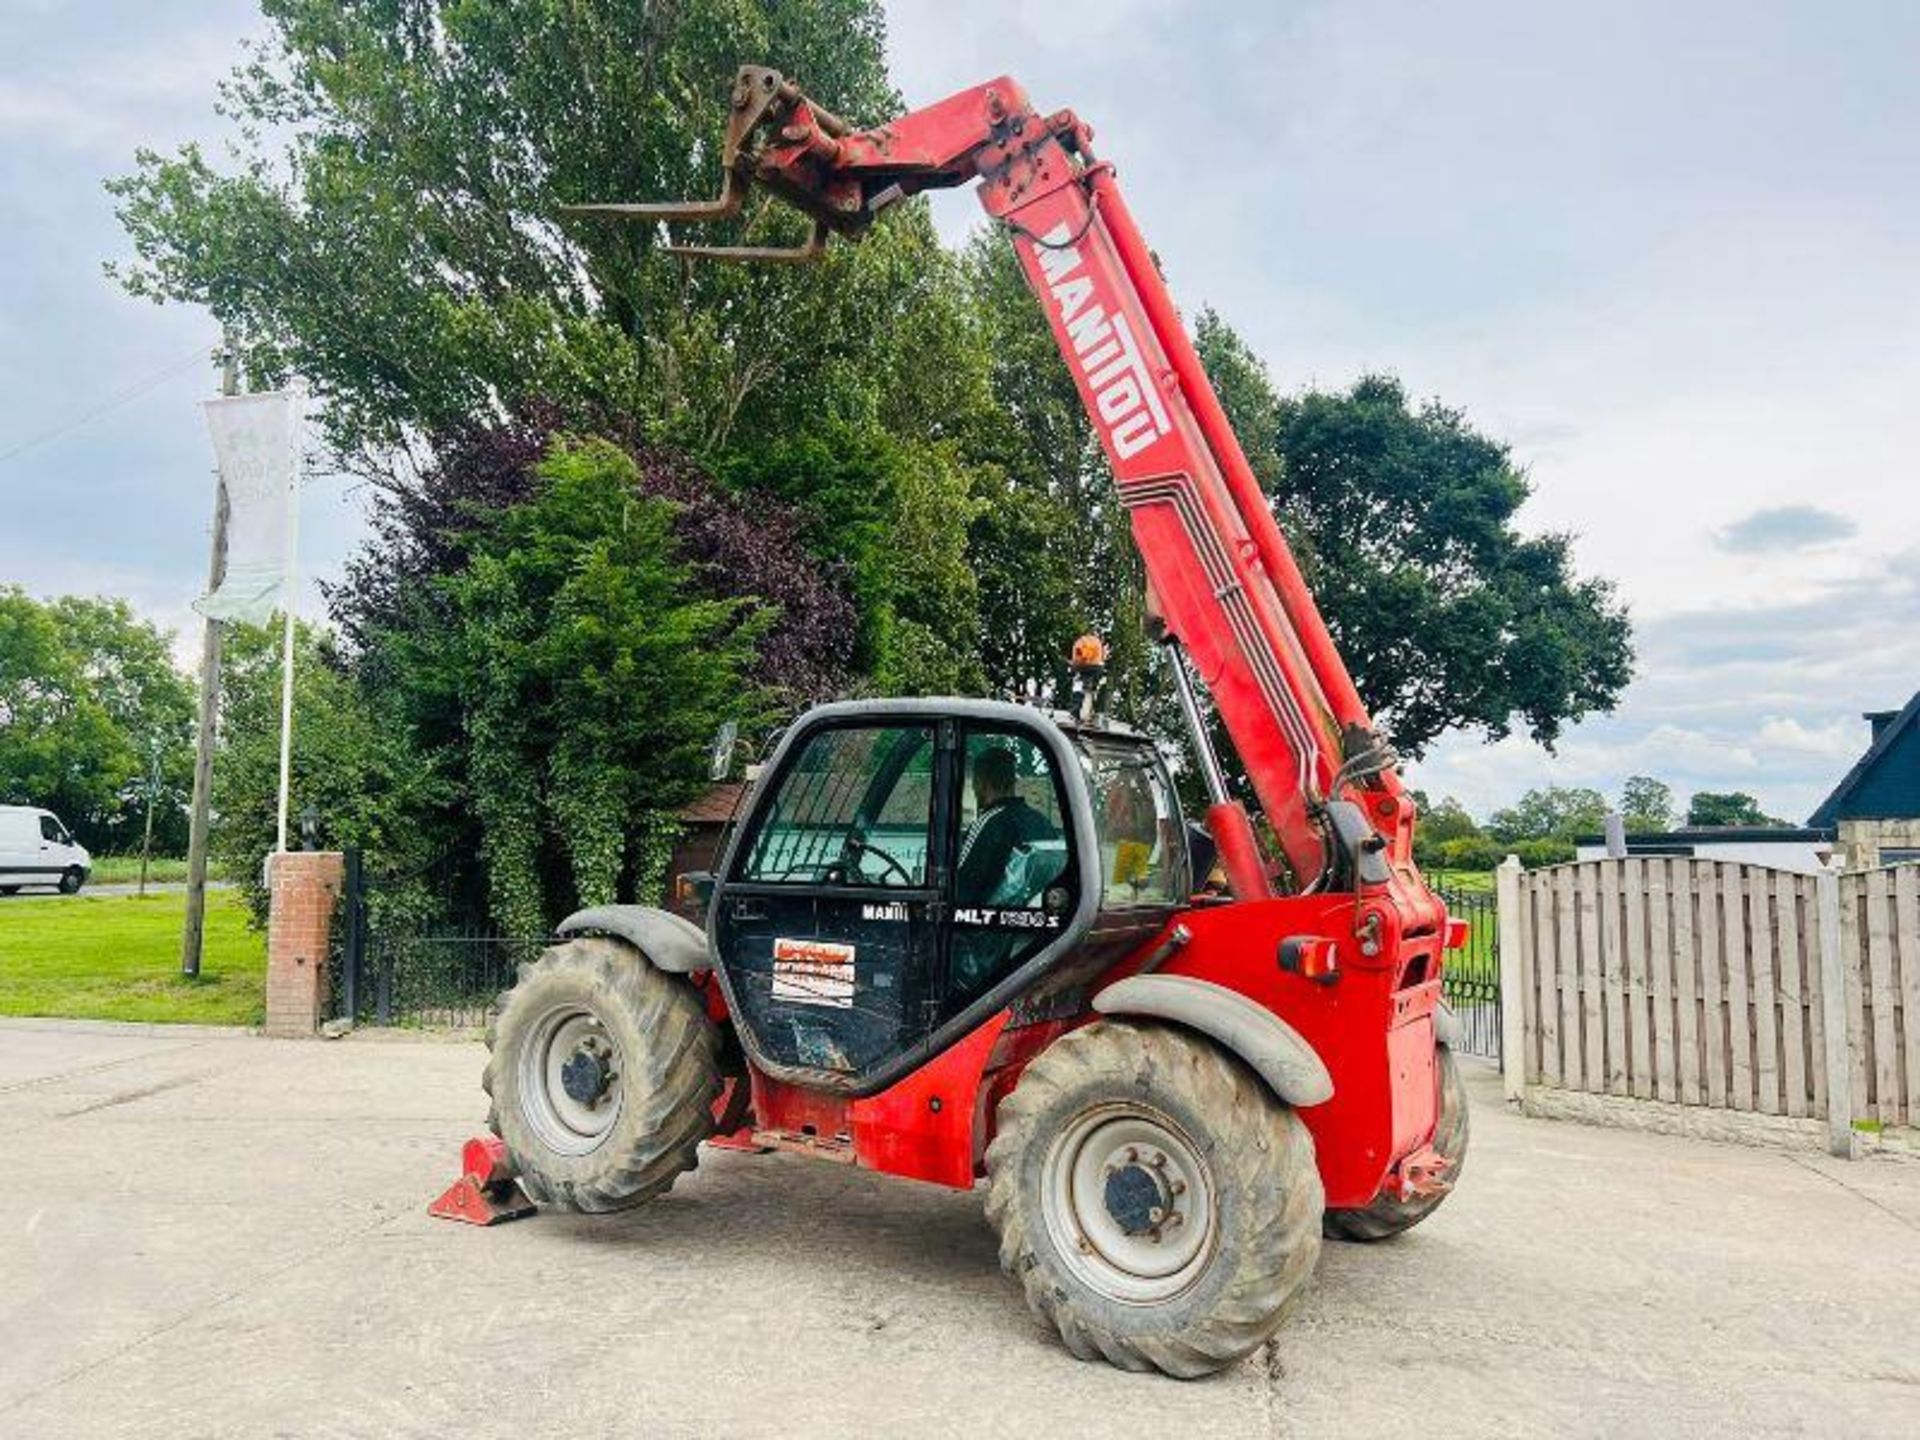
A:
{"x":829,"y":921}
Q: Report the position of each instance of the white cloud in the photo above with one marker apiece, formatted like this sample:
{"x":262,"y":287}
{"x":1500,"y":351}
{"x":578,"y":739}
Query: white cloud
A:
{"x":1839,"y":741}
{"x":109,"y":102}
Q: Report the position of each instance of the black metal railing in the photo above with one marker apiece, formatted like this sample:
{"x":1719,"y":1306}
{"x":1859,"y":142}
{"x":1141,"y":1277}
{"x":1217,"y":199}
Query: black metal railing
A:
{"x":397,"y":964}
{"x":1472,"y":981}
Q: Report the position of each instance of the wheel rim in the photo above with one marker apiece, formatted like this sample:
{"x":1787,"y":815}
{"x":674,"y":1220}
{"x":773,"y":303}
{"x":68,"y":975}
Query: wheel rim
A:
{"x":570,"y":1074}
{"x":1129,"y":1203}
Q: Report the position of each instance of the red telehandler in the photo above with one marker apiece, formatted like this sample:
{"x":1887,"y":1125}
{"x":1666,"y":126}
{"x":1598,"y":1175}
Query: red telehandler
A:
{"x":959,"y":938}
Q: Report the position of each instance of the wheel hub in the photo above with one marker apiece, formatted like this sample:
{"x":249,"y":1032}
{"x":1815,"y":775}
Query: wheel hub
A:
{"x":586,"y":1075}
{"x":1137,"y":1198}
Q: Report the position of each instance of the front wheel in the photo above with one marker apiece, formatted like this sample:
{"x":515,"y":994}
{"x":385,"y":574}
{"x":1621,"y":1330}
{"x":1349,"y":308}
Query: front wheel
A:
{"x":1160,"y":1206}
{"x":1388,"y":1215}
{"x":603,"y":1074}
{"x":71,"y":882}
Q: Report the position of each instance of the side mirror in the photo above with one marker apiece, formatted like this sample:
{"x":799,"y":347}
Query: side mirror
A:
{"x":720,"y":758}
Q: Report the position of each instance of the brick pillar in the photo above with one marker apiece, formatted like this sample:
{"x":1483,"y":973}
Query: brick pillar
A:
{"x":305,"y":887}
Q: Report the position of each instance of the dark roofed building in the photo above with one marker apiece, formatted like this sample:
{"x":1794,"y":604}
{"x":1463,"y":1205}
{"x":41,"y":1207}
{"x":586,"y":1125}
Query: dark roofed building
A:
{"x":1875,"y":810}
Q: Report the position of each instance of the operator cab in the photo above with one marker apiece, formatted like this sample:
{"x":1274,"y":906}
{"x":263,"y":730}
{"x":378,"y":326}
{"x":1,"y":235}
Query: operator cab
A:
{"x":910,"y":867}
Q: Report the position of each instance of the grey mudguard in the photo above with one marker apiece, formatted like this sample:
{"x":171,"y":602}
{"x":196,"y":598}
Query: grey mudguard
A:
{"x":1272,"y":1047}
{"x":670,"y":941}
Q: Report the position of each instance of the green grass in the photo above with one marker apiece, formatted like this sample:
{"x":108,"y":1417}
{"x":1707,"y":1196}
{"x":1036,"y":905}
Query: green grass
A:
{"x":1463,"y":882}
{"x":125,"y":870}
{"x":118,"y":958}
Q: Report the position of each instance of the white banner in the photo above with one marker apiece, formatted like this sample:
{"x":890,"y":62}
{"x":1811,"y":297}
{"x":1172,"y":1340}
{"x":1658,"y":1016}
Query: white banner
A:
{"x":255,"y":443}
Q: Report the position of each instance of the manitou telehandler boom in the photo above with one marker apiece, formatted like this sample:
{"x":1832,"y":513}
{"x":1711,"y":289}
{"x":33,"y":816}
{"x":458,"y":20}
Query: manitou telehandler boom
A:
{"x":954,"y":938}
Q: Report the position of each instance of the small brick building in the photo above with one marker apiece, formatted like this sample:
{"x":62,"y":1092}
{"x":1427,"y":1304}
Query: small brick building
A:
{"x":1875,"y":810}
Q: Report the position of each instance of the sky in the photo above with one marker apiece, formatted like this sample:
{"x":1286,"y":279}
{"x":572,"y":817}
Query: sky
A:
{"x":1663,"y":251}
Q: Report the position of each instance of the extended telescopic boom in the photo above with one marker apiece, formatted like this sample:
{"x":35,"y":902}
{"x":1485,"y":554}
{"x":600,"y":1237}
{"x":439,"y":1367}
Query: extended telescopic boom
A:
{"x":1225,"y":585}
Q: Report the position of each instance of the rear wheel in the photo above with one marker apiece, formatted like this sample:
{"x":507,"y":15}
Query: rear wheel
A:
{"x":1388,"y":1215}
{"x":603,"y":1076}
{"x":1160,"y":1207}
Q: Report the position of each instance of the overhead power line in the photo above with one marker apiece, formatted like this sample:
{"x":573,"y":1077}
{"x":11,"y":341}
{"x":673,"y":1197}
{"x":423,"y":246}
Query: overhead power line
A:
{"x":107,"y":406}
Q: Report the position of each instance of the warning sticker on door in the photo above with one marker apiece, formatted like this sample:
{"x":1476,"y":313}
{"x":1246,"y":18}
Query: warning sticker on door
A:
{"x":813,"y":972}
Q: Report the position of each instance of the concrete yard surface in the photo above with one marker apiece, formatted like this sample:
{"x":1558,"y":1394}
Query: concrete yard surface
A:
{"x":207,"y":1233}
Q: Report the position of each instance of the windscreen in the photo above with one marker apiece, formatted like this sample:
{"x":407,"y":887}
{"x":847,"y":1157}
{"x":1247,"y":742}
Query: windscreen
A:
{"x":1136,"y":818}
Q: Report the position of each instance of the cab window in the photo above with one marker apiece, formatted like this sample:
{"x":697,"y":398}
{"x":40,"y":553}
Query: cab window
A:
{"x":1014,"y":881}
{"x":1013,"y":832}
{"x":855,"y":808}
{"x":50,"y":830}
{"x":1143,"y":858}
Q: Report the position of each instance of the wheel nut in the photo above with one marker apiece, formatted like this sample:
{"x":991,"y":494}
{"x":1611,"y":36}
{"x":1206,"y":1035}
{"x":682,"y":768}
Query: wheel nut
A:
{"x":1133,"y":1155}
{"x":1179,"y":1187}
{"x":1156,"y":1215}
{"x":1159,"y":1161}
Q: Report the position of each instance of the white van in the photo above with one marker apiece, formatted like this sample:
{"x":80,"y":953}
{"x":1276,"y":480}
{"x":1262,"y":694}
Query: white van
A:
{"x":35,"y":849}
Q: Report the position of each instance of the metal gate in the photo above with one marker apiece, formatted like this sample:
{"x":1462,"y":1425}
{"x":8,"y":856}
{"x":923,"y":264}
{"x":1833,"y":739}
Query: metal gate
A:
{"x":392,"y":967}
{"x":1472,"y":980}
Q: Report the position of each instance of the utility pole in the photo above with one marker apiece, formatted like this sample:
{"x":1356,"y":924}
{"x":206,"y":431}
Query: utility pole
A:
{"x":194,"y":935}
{"x":153,"y":794}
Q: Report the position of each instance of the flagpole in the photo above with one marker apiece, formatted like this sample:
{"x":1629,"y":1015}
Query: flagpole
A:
{"x":292,"y":593}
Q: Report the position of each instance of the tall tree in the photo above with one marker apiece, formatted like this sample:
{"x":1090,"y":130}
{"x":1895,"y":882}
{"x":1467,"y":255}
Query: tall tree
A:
{"x":737,"y":545}
{"x":1403,"y":519}
{"x":91,"y":708}
{"x":555,"y":629}
{"x":1447,"y":820}
{"x":1646,"y":804}
{"x":393,"y":233}
{"x":128,"y":665}
{"x":1729,"y":807}
{"x":357,"y":771}
{"x":1552,"y":812}
{"x":59,"y":746}
{"x":590,"y":681}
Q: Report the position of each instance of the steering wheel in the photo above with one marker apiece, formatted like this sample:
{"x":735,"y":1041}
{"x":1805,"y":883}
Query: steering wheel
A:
{"x":856,"y":845}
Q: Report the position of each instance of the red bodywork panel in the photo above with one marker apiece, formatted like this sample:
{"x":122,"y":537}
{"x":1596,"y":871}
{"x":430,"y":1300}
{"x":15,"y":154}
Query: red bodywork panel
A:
{"x":1374,"y":1034}
{"x":927,"y":1127}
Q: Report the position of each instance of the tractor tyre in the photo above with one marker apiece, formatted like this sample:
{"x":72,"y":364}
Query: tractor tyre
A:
{"x":1159,"y":1205}
{"x":1388,"y":1216}
{"x":603,"y":1073}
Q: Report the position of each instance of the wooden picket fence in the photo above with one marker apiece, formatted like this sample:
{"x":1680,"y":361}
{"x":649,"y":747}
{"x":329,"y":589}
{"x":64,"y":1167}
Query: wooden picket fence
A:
{"x":1711,"y":983}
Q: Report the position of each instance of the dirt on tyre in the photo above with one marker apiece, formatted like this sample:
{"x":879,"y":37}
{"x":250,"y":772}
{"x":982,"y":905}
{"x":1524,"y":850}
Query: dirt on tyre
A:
{"x":603,"y":1072}
{"x":1160,"y":1207}
{"x":1389,"y":1215}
